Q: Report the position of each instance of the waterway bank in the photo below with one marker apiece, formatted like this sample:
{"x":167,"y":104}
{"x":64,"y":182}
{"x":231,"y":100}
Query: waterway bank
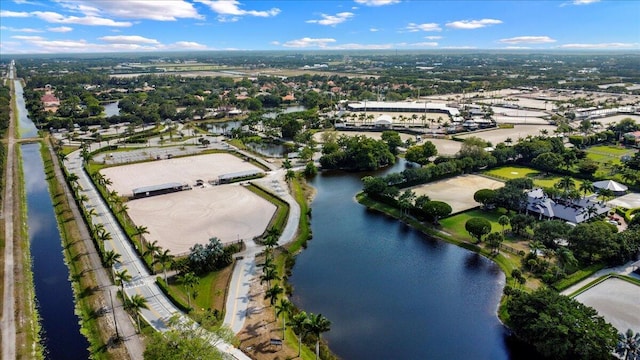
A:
{"x":378,"y":278}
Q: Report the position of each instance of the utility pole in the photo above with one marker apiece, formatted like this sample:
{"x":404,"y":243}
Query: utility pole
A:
{"x":114,"y":315}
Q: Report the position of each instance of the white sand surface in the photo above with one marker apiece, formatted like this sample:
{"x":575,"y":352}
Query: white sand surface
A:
{"x":182,"y":170}
{"x":458,"y":191}
{"x":617,"y":301}
{"x":179,"y":220}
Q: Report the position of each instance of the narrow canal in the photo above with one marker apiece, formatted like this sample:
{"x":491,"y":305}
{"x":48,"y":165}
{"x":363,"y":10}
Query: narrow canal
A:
{"x":61,"y":335}
{"x":390,"y":291}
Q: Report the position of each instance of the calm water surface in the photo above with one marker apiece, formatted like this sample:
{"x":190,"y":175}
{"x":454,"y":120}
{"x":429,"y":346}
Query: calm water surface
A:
{"x":391,"y":292}
{"x":61,"y":335}
{"x":61,"y":329}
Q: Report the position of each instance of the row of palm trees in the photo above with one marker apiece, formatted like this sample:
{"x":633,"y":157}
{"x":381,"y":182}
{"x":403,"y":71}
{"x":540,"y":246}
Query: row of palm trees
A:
{"x":301,"y":322}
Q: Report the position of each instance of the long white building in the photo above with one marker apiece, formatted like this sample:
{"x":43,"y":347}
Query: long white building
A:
{"x":402,"y":106}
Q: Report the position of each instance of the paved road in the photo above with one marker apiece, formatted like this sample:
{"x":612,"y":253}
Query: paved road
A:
{"x":626,"y":269}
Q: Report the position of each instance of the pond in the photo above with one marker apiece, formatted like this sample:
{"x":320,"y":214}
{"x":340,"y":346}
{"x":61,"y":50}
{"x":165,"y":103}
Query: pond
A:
{"x":392,"y":292}
{"x":111,"y":109}
{"x":289,"y":109}
{"x":268,"y":149}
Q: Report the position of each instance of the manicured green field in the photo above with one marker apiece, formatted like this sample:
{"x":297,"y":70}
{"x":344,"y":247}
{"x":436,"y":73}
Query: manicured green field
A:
{"x":455,"y":224}
{"x":607,"y":150}
{"x":515,"y":172}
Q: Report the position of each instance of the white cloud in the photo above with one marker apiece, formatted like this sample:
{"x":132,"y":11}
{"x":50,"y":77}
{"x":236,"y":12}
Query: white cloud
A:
{"x":353,"y":46}
{"x":26,"y":30}
{"x":601,"y":46}
{"x":462,"y":47}
{"x":473,"y":24}
{"x":188,"y":45}
{"x":166,"y":10}
{"x":231,"y":9}
{"x":433,"y":37}
{"x":424,"y":44}
{"x":584,"y":2}
{"x":377,"y":2}
{"x":53,"y":17}
{"x":27,"y":37}
{"x":374,"y":30}
{"x":8,"y":13}
{"x":128,"y":39}
{"x":528,"y":40}
{"x":516,"y":47}
{"x":332,"y":20}
{"x":60,"y":29}
{"x":412,"y":27}
{"x":309,"y":42}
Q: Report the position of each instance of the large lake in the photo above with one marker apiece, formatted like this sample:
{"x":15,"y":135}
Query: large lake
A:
{"x":392,"y":292}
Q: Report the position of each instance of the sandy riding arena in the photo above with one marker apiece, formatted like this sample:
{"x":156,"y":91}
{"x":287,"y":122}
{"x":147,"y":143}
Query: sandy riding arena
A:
{"x":617,"y":301}
{"x":179,"y":220}
{"x":181,"y":170}
{"x":458,"y":191}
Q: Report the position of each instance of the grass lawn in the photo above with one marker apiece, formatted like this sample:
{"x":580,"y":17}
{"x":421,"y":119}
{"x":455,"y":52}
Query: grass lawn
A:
{"x":539,"y":178}
{"x":610,"y":151}
{"x":455,"y":224}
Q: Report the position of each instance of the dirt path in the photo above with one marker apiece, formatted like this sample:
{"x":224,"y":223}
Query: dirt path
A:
{"x":8,"y":298}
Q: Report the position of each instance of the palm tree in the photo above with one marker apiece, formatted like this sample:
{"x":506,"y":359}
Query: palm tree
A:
{"x":629,"y":345}
{"x":111,"y":258}
{"x":152,"y":249}
{"x":121,"y":278}
{"x":284,"y":309}
{"x":318,"y":324}
{"x":140,"y":230}
{"x":504,"y":220}
{"x":606,"y":194}
{"x":271,"y":238}
{"x":136,"y":303}
{"x":566,"y":183}
{"x":586,"y":187}
{"x":163,"y":259}
{"x":565,"y":258}
{"x":298,"y":324}
{"x":272,"y":294}
{"x":103,"y":236}
{"x":536,"y":246}
{"x":189,"y":281}
{"x":269,"y":273}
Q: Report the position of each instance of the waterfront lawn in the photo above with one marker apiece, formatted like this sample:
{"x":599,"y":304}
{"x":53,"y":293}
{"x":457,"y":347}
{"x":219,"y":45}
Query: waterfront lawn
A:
{"x":516,"y":172}
{"x":454,"y":225}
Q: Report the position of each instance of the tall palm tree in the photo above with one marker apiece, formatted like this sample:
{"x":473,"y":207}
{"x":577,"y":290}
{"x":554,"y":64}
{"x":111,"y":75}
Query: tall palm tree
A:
{"x":269,"y":273}
{"x":164,"y":258}
{"x":103,"y":236}
{"x":111,"y":258}
{"x":152,"y":249}
{"x":284,"y":308}
{"x":629,"y":345}
{"x":504,"y":220}
{"x":318,"y":324}
{"x":298,"y":324}
{"x":121,"y":278}
{"x":136,"y":303}
{"x":272,"y":294}
{"x":586,"y":187}
{"x":189,"y":281}
{"x":141,"y":230}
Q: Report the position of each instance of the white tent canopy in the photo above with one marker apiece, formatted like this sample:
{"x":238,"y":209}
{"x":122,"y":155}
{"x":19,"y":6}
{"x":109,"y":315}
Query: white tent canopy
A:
{"x":610,"y":185}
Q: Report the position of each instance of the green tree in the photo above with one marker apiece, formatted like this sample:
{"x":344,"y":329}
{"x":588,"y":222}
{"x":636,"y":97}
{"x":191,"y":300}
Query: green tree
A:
{"x":485,"y":197}
{"x":185,"y":341}
{"x":316,"y":325}
{"x":629,"y":345}
{"x":560,"y":327}
{"x":110,"y":258}
{"x":548,"y":162}
{"x":494,"y":240}
{"x":393,"y":140}
{"x":122,"y":277}
{"x":477,"y":227}
{"x":565,"y":258}
{"x":136,"y":303}
{"x":284,"y":308}
{"x":189,"y":281}
{"x":436,"y":210}
{"x":503,"y":220}
{"x":164,"y":258}
{"x":272,"y":294}
{"x":298,"y":324}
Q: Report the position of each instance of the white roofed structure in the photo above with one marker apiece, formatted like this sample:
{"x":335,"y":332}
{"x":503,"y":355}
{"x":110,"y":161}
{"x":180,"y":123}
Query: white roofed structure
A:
{"x":403,"y":106}
{"x":610,"y":185}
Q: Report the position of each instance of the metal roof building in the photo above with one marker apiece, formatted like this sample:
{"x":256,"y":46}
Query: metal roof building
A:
{"x":402,"y":106}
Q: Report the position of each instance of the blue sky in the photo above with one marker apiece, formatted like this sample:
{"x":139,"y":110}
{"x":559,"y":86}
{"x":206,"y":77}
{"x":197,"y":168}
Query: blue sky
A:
{"x":86,"y":26}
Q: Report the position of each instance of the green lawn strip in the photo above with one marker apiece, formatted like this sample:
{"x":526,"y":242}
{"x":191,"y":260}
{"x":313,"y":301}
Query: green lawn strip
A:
{"x":608,"y":150}
{"x":516,"y":172}
{"x":455,"y":224}
{"x":279,"y":219}
{"x":82,"y":284}
{"x":304,"y":230}
{"x":237,"y":143}
{"x":577,"y":276}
